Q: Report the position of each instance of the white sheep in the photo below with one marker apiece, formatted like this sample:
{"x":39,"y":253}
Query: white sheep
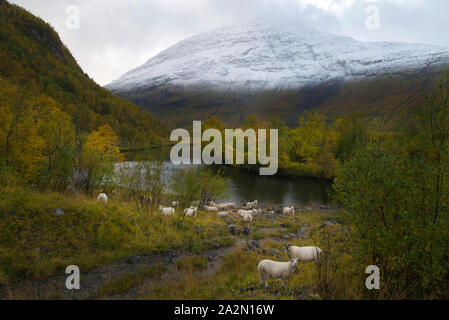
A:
{"x":210,"y":209}
{"x":221,"y":206}
{"x":103,"y":198}
{"x":269,"y":269}
{"x":232,"y":205}
{"x":226,"y":206}
{"x":224,"y":214}
{"x":248,"y":218}
{"x":191,"y":212}
{"x":252,"y":205}
{"x":174,"y":204}
{"x":243,"y":213}
{"x":303,"y":254}
{"x":289,"y":210}
{"x":167,"y":212}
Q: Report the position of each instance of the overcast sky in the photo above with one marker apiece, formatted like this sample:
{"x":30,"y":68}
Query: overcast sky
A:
{"x":115,"y":36}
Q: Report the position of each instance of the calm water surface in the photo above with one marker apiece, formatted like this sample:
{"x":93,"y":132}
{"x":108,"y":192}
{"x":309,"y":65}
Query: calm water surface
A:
{"x":273,"y":190}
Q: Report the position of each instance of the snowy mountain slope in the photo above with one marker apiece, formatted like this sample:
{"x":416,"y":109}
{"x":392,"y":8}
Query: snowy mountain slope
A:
{"x":261,"y":57}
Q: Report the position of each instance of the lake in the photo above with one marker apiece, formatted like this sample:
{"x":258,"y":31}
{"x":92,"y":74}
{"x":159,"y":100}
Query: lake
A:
{"x":270,"y":190}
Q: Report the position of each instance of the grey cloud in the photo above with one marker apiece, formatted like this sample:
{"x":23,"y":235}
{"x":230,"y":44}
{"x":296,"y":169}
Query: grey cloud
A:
{"x":117,"y":35}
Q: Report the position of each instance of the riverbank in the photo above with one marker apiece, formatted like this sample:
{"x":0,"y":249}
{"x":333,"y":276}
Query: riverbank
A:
{"x":295,"y":170}
{"x":126,"y":254}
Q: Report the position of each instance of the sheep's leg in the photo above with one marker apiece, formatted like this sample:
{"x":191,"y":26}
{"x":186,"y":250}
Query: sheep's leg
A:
{"x":266,"y":284}
{"x":282,"y":284}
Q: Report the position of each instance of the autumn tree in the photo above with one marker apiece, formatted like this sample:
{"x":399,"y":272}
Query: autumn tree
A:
{"x":20,"y":143}
{"x":100,"y":153}
{"x":396,"y":197}
{"x":213,"y":123}
{"x":57,"y":132}
{"x":252,"y":121}
{"x":314,"y":144}
{"x":352,"y":130}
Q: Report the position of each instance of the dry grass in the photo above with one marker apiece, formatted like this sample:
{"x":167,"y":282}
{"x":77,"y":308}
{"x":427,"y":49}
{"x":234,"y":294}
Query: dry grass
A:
{"x":237,"y":278}
{"x":37,"y":243}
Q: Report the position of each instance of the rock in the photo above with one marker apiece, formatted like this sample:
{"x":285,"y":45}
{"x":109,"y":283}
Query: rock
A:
{"x":302,"y":233}
{"x":301,"y":290}
{"x":169,"y":257}
{"x":274,"y":252}
{"x":309,"y":209}
{"x":254,"y":243}
{"x":133,"y":259}
{"x":285,"y":237}
{"x":198,"y":229}
{"x":244,"y":289}
{"x":105,"y":276}
{"x":59,"y":212}
{"x":251,"y":246}
{"x":328,"y":223}
{"x":314,"y":296}
{"x":44,"y":250}
{"x":216,"y":245}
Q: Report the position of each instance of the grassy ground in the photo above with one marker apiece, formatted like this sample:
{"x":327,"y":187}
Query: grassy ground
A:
{"x":237,"y":277}
{"x":35,"y":242}
{"x":209,"y":262}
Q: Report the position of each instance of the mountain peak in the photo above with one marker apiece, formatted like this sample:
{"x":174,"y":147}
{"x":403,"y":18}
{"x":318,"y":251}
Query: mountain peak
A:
{"x":263,"y":56}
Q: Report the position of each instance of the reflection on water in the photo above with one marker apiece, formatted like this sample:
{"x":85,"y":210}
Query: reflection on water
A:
{"x":270,"y":190}
{"x":277,"y":190}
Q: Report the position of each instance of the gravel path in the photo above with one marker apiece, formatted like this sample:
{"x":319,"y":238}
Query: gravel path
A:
{"x":92,"y":281}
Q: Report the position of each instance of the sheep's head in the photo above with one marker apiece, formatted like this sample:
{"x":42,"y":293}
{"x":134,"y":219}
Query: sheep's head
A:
{"x":287,"y":245}
{"x":294,"y":262}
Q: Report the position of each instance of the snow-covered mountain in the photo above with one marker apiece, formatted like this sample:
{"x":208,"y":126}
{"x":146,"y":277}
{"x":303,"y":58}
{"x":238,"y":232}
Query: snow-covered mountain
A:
{"x":257,"y":57}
